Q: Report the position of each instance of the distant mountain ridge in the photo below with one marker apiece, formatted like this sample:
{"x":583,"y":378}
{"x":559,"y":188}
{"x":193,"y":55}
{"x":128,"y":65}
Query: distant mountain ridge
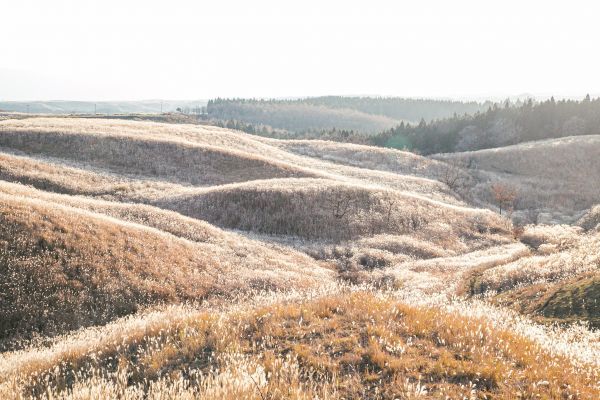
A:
{"x":100,"y":107}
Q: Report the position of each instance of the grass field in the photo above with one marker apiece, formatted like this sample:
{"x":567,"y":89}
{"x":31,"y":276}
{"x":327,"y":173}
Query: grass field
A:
{"x":145,"y":260}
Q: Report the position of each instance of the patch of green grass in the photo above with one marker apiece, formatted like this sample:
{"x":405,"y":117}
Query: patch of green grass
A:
{"x":577,"y":300}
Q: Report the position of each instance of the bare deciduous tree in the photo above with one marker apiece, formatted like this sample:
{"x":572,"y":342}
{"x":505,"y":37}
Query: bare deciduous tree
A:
{"x":451,"y":176}
{"x":388,"y":202}
{"x":453,"y":173}
{"x":339,"y":202}
{"x":504,"y":196}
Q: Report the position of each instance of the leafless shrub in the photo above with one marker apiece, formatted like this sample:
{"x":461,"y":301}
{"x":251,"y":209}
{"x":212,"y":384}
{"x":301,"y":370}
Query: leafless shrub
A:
{"x":389,"y":203}
{"x":373,"y":261}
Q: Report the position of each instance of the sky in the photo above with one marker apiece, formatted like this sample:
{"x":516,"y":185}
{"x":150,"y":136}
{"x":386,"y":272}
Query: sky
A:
{"x":176,"y":49}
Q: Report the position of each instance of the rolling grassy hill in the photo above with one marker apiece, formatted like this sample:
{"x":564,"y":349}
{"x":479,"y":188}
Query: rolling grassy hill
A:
{"x":65,"y":266}
{"x":557,"y":176}
{"x":332,"y":346}
{"x":150,"y":260}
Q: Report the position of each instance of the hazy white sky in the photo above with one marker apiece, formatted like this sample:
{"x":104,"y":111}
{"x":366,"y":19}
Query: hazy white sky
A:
{"x":120,"y":49}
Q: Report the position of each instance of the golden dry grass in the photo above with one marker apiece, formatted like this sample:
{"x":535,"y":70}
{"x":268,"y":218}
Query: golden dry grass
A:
{"x":580,"y":257}
{"x":118,"y":146}
{"x":55,"y":176}
{"x":63,"y":267}
{"x":163,"y":164}
{"x":571,"y":300}
{"x":556,"y":283}
{"x":354,"y":345}
{"x":375,"y":158}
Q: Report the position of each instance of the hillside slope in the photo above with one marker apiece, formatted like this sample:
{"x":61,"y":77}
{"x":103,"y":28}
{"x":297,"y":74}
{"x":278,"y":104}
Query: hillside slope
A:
{"x":556,"y":176}
{"x":325,"y":209}
{"x":128,"y":149}
{"x":556,"y":282}
{"x":63,"y":267}
{"x":152,"y":155}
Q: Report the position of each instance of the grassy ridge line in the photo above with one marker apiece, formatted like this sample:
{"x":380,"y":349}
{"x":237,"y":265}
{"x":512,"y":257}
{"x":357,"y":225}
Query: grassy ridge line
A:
{"x":184,"y":133}
{"x":149,"y":191}
{"x":56,"y":177}
{"x":391,"y":160}
{"x":354,"y":164}
{"x":203,"y":135}
{"x":292,"y":184}
{"x":60,"y":176}
{"x":168,"y":164}
{"x":163,"y":220}
{"x":171,"y":225}
{"x":357,"y":181}
{"x":167,"y":159}
{"x":307,"y":208}
{"x":535,"y":158}
{"x":65,"y":176}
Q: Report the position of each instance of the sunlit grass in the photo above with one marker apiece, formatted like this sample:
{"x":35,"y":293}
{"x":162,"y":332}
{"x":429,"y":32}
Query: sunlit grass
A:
{"x":338,"y":346}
